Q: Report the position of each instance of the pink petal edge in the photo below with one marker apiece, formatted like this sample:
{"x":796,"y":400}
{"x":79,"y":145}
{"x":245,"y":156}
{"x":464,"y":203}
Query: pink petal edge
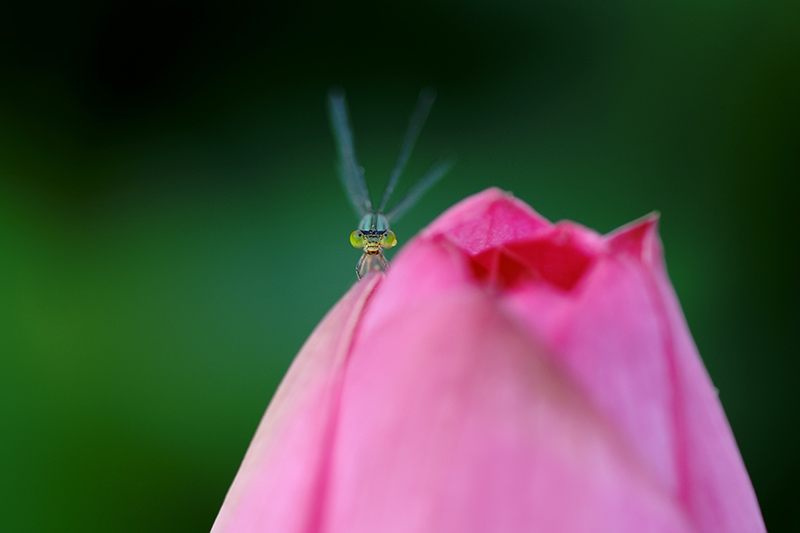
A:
{"x":273,"y":489}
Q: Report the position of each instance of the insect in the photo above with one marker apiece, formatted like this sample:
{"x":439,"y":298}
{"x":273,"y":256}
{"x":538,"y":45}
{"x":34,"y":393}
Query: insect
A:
{"x":373,"y":234}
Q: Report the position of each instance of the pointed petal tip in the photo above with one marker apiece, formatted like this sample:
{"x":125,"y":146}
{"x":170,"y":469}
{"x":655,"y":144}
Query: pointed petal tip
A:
{"x":638,"y":238}
{"x":487,"y":219}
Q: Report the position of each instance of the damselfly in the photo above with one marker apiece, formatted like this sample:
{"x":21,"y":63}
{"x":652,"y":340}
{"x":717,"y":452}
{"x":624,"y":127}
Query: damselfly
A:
{"x":373,"y":234}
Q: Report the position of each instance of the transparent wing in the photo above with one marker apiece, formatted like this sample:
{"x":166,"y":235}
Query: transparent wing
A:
{"x":426,"y":182}
{"x":426,"y":98}
{"x":350,"y":172}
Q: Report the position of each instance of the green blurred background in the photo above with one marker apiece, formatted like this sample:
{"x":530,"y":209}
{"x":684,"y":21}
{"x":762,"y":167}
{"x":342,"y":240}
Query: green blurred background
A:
{"x":171,"y":225}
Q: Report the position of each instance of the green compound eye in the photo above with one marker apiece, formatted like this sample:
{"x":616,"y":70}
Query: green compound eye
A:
{"x":388,"y":240}
{"x":357,"y":239}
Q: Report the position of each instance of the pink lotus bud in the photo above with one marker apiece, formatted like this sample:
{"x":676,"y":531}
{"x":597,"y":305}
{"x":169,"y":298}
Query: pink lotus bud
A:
{"x":508,"y":374}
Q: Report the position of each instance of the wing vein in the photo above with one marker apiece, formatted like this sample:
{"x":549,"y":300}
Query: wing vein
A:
{"x":350,"y":172}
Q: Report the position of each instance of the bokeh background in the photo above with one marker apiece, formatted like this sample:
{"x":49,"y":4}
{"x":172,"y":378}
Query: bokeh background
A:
{"x":172,"y":228}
